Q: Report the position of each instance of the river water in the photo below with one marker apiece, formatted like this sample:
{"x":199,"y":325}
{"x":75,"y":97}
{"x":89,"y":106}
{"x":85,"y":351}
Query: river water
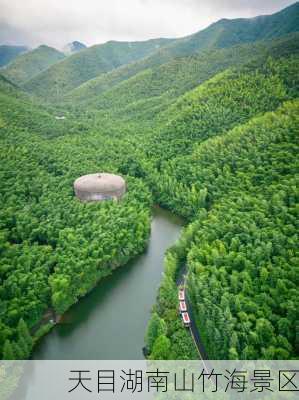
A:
{"x":110,"y":322}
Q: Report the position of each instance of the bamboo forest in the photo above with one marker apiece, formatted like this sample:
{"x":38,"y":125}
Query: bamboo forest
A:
{"x":205,"y":127}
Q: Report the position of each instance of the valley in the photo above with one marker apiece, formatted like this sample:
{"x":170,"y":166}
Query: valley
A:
{"x":204,"y":126}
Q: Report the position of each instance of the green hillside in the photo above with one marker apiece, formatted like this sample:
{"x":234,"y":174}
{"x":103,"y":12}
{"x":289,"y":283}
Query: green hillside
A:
{"x":111,"y":90}
{"x":40,"y":218}
{"x":99,"y":59}
{"x":226,"y":33}
{"x":157,"y":87}
{"x":205,"y":128}
{"x":247,"y":241}
{"x":227,"y":186}
{"x":228,"y":98}
{"x":9,"y":53}
{"x":223,"y":34}
{"x":88,"y":63}
{"x":18,"y":110}
{"x":30,"y":64}
{"x":241,"y":251}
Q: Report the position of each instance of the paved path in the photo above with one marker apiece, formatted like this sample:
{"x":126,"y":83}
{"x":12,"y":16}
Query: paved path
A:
{"x":193,"y":328}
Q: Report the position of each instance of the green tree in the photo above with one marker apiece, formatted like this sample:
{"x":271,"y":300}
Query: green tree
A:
{"x":8,"y":352}
{"x":156,"y":328}
{"x":161,"y":348}
{"x":23,"y":332}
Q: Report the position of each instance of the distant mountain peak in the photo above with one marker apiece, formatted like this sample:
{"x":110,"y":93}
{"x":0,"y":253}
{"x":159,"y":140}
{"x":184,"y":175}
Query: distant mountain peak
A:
{"x":74,"y":47}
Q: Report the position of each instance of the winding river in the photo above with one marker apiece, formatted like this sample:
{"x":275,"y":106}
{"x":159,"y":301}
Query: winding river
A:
{"x":110,"y":322}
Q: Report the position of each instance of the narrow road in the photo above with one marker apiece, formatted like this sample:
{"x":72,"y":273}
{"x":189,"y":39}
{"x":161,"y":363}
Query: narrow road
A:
{"x":181,"y":281}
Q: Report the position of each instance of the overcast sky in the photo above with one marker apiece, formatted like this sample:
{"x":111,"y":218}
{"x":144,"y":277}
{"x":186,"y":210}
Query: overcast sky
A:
{"x":57,"y":22}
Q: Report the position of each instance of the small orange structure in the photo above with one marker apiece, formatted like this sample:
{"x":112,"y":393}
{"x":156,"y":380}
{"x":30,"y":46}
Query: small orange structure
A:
{"x":181,"y":294}
{"x":186,"y":319}
{"x":183,"y":306}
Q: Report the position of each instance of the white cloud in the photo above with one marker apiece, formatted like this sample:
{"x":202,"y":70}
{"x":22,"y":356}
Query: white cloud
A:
{"x":56,"y":22}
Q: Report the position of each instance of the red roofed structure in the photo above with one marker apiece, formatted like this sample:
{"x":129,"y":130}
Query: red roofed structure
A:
{"x":186,"y":319}
{"x":181,"y":295}
{"x":183,"y":306}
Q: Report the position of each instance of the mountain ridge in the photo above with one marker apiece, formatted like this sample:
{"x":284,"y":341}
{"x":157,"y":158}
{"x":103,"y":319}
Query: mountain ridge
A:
{"x":9,"y":53}
{"x":74,"y":47}
{"x":26,"y":66}
{"x":174,"y":78}
{"x":88,"y":63}
{"x":218,"y":35}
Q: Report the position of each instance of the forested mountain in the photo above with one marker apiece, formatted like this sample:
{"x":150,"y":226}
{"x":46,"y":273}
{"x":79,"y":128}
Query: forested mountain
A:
{"x":240,"y":253}
{"x":244,"y":277}
{"x":61,"y":79}
{"x":158,"y":86}
{"x":89,"y":63}
{"x":40,"y":219}
{"x":228,"y":186}
{"x":258,"y":86}
{"x":18,"y":110}
{"x":30,"y":64}
{"x":212,"y":136}
{"x":9,"y":53}
{"x":226,"y":33}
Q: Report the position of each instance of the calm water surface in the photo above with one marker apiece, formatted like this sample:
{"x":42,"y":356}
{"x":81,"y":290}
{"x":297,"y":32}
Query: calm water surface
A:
{"x":110,"y":322}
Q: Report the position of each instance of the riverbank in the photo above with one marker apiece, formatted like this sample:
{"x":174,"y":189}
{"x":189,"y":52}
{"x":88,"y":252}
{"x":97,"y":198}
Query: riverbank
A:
{"x":167,"y":338}
{"x":110,"y":322}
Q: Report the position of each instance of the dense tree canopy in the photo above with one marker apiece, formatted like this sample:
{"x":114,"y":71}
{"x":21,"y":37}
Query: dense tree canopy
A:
{"x":212,"y":137}
{"x":242,"y":261}
{"x":54,"y":248}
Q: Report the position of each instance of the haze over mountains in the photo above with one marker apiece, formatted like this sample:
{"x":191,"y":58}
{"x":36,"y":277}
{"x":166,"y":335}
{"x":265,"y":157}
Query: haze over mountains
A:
{"x":38,"y":72}
{"x":89,"y":63}
{"x":9,"y":53}
{"x":32,"y":63}
{"x":97,"y":60}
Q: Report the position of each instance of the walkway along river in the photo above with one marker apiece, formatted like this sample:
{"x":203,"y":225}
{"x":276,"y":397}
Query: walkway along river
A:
{"x":110,"y":322}
{"x":194,"y":332}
